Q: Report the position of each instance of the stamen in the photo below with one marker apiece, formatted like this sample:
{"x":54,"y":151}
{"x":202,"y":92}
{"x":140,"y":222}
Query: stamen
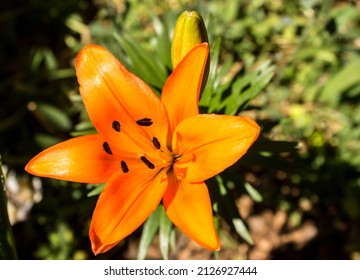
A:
{"x":116,"y":126}
{"x":144,"y":122}
{"x":156,"y":143}
{"x":124,"y":167}
{"x":147,"y":162}
{"x":107,"y":148}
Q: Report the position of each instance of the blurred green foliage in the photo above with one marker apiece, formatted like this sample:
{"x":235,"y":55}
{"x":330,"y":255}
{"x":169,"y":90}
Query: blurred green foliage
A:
{"x":292,"y":65}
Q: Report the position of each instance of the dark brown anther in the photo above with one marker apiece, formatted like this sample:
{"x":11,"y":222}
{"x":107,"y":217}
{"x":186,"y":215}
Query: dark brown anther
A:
{"x":147,"y":162}
{"x":124,"y":167}
{"x":156,"y":143}
{"x":116,"y":126}
{"x":107,"y":148}
{"x":144,"y":122}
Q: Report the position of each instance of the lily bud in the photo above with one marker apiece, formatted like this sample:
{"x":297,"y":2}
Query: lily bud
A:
{"x":189,"y":31}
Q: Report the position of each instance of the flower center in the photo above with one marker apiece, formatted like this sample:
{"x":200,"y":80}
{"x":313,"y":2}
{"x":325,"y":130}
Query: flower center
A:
{"x":158,"y":158}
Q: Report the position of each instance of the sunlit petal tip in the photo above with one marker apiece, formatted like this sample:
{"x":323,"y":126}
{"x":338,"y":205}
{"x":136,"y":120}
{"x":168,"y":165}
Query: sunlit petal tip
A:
{"x":253,"y":129}
{"x":253,"y":123}
{"x":79,"y":159}
{"x":212,"y":244}
{"x":30,"y":168}
{"x":209,"y":241}
{"x":97,"y":246}
{"x":39,"y":166}
{"x":86,"y":49}
{"x":203,"y":45}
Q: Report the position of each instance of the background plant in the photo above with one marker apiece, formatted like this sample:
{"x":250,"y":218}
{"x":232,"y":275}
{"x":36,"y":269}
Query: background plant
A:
{"x":292,"y":65}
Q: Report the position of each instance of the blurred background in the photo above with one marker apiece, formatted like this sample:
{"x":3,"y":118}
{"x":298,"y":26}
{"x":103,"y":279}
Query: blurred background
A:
{"x":297,"y":195}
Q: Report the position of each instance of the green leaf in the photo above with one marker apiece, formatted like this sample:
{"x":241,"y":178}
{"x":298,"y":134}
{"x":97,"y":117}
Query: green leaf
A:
{"x":237,"y":92}
{"x":162,"y":42}
{"x":83,"y":128}
{"x":211,"y":84}
{"x":51,"y":117}
{"x":254,"y":194}
{"x":84,"y":125}
{"x":43,"y":55}
{"x":151,"y":226}
{"x":46,"y":140}
{"x":96,"y":190}
{"x":165,"y":233}
{"x":245,"y":88}
{"x":347,"y":77}
{"x":143,"y":63}
{"x":83,"y":132}
{"x":61,"y":74}
{"x":7,"y":245}
{"x":220,"y":91}
{"x":233,"y":212}
{"x":242,"y":230}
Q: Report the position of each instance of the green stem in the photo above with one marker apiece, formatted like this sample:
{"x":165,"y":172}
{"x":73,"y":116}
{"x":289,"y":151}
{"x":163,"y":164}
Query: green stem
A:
{"x":7,"y":244}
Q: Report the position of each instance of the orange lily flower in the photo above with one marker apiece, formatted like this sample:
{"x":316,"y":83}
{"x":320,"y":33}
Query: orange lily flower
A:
{"x":147,"y":149}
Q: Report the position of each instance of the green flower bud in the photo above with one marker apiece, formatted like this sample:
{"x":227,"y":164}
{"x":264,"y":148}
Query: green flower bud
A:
{"x":189,"y":31}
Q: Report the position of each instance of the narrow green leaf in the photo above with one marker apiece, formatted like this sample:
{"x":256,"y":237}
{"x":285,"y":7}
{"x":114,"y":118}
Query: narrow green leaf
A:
{"x":144,"y":64}
{"x":7,"y":245}
{"x":165,"y":233}
{"x":83,"y":132}
{"x":46,"y":140}
{"x":61,"y":74}
{"x":50,"y":59}
{"x":173,"y":238}
{"x":236,"y":99}
{"x":84,"y":125}
{"x":217,"y":228}
{"x":162,"y":42}
{"x":37,"y":58}
{"x":51,"y":117}
{"x":254,"y":194}
{"x":242,"y":230}
{"x":216,"y":104}
{"x":96,"y":190}
{"x":210,"y":87}
{"x":233,"y":212}
{"x":83,"y":128}
{"x":347,"y":77}
{"x":151,"y":226}
{"x":245,"y":88}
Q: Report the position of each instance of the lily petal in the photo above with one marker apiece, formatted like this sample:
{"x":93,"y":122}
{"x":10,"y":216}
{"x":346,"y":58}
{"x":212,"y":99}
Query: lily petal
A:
{"x":207,"y":144}
{"x":189,"y":207}
{"x":120,"y":105}
{"x":80,"y":159}
{"x":126,"y":202}
{"x":181,"y":91}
